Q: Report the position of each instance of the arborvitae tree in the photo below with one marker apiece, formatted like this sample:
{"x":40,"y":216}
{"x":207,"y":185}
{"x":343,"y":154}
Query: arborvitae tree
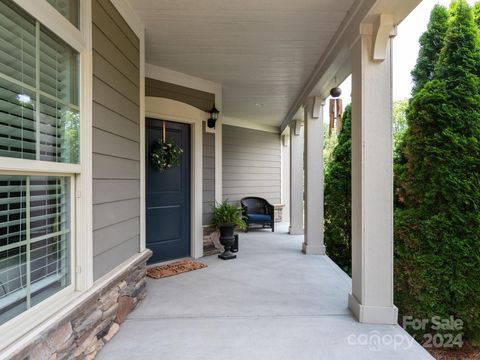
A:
{"x":338,"y":210}
{"x":338,"y":198}
{"x":431,"y":44}
{"x":399,"y":117}
{"x":329,"y":144}
{"x":437,"y":231}
{"x":476,"y":12}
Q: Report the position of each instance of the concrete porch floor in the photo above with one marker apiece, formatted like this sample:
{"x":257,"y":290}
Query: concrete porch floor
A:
{"x":272,"y":302}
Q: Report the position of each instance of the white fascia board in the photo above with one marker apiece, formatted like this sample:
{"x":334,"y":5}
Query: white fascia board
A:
{"x":399,"y":9}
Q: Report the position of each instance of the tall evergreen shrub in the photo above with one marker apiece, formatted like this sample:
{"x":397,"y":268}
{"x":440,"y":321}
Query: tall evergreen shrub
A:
{"x":431,"y":45}
{"x":476,"y":12}
{"x":338,"y":198}
{"x":431,"y":42}
{"x":437,"y":231}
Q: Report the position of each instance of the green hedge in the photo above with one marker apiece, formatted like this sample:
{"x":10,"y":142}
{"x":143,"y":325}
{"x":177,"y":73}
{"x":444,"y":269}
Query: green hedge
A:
{"x":338,"y":198}
{"x":437,"y":227}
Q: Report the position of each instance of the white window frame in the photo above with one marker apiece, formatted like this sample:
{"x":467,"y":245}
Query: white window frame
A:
{"x":17,"y":323}
{"x":80,"y":174}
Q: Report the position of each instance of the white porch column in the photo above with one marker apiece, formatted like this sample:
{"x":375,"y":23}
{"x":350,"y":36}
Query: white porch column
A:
{"x":371,"y":300}
{"x":313,"y":241}
{"x":296,"y":178}
{"x":285,"y":154}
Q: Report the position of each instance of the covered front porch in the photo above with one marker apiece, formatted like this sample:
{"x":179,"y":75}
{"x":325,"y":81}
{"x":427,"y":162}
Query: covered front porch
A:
{"x":147,"y":67}
{"x":272,"y":302}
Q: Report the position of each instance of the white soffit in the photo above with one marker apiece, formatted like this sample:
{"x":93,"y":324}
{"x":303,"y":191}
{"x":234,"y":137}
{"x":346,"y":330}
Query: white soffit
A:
{"x":261,"y":51}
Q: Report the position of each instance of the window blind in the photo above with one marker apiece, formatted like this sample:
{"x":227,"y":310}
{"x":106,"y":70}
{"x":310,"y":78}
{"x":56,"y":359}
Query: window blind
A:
{"x":34,"y":241}
{"x":39,"y":113}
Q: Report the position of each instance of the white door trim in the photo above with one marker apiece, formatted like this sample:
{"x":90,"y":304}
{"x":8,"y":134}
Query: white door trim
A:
{"x":171,"y":110}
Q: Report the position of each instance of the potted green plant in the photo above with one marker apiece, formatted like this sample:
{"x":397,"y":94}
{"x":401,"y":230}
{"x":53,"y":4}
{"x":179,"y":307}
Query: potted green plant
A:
{"x":226,"y":217}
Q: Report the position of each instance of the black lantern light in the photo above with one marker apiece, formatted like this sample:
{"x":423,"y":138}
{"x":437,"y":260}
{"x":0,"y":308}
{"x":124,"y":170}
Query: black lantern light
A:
{"x":213,"y":118}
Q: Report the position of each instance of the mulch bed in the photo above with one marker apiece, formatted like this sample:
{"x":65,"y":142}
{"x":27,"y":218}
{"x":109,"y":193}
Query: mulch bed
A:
{"x":467,"y":352}
{"x":175,"y":268}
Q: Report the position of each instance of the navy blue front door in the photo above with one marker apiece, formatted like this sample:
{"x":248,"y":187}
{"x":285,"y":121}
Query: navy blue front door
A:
{"x":168,"y":196}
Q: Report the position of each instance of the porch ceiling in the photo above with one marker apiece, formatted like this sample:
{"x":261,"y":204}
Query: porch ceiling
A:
{"x":261,"y":51}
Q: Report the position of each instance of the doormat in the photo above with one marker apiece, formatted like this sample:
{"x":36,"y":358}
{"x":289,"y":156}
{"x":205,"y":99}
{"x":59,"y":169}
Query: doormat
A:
{"x":175,"y":268}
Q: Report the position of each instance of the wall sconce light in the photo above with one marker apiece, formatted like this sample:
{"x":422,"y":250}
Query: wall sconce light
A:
{"x":213,"y":118}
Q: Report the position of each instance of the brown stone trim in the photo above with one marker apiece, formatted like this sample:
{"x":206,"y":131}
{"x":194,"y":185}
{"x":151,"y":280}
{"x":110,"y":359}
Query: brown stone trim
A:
{"x":85,"y":330}
{"x":278,"y":212}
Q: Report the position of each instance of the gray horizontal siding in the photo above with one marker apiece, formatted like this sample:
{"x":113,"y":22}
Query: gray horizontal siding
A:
{"x":208,"y":175}
{"x":107,"y":120}
{"x":116,"y":139}
{"x":108,"y":190}
{"x":108,"y":50}
{"x":122,"y":25}
{"x":114,"y":78}
{"x":125,"y":229}
{"x":119,"y":253}
{"x":108,"y":214}
{"x":109,"y":167}
{"x":112,"y":99}
{"x":108,"y":20}
{"x":251,"y":164}
{"x":107,"y":143}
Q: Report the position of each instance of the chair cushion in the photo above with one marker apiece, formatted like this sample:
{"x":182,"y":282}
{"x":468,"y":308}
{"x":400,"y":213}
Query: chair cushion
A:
{"x":259,"y":217}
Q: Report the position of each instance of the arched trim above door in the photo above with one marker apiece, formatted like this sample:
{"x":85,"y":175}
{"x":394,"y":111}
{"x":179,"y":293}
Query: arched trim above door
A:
{"x":200,"y":99}
{"x":172,"y":110}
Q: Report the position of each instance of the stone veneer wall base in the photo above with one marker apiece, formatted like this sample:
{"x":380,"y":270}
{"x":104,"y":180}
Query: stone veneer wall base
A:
{"x":278,"y":208}
{"x":211,"y":242}
{"x":84,"y":332}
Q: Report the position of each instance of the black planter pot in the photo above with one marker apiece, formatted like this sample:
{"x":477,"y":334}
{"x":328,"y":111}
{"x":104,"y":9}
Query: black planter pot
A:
{"x":227,"y":239}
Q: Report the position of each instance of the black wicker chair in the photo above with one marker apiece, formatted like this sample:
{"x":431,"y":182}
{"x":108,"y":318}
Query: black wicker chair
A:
{"x":258,"y":211}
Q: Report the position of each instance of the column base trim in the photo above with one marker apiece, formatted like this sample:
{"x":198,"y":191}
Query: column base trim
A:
{"x":313,"y":249}
{"x":387,"y":315}
{"x":295,"y":231}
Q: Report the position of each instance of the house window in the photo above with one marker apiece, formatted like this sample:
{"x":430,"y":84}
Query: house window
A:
{"x":39,"y":112}
{"x":34,"y":241}
{"x":70,"y":9}
{"x":40,"y":129}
